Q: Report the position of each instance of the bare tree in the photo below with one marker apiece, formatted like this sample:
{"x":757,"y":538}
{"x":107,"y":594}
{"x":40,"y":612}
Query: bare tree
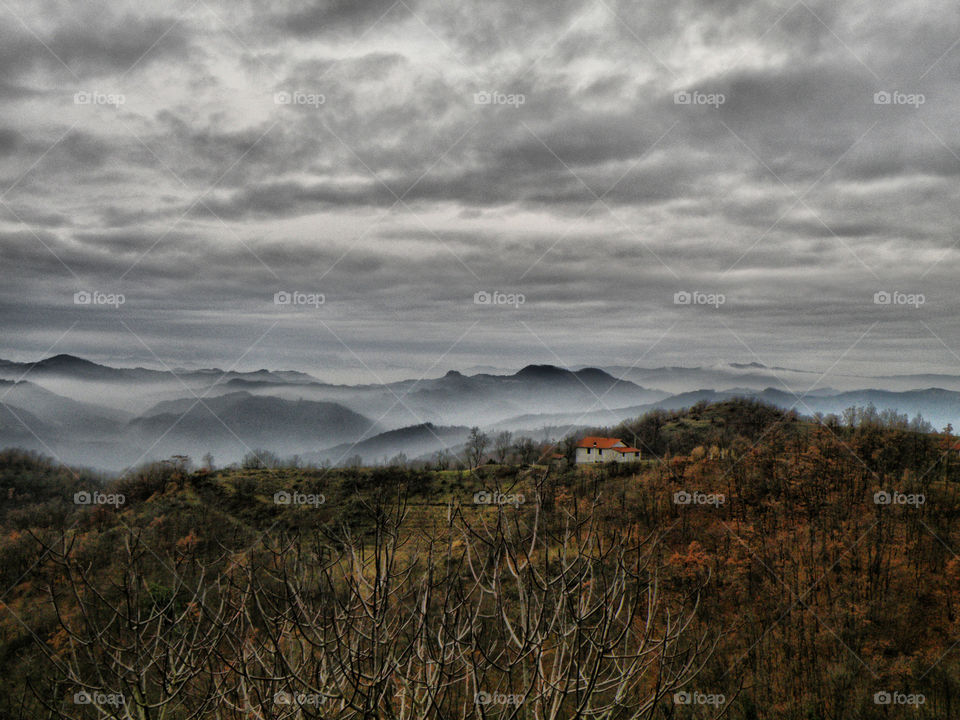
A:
{"x":527,"y":449}
{"x":476,"y":445}
{"x":482,"y":612}
{"x":502,"y":445}
{"x":442,"y":459}
{"x":486,"y":610}
{"x":129,"y":647}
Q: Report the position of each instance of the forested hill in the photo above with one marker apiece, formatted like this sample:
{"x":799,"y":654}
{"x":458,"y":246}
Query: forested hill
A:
{"x":755,"y":564}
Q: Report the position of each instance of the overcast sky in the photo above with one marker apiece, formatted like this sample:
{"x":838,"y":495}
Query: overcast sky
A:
{"x":589,"y":160}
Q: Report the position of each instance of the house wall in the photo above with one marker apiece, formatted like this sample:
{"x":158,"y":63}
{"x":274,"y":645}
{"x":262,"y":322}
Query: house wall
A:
{"x":595,"y":455}
{"x":601,"y":456}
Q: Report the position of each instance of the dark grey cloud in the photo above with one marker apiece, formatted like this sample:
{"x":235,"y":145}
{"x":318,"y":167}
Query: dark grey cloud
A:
{"x":9,"y":141}
{"x":319,"y":17}
{"x":89,"y":41}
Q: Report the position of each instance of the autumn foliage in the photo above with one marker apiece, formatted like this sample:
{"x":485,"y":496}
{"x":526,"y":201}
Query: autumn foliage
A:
{"x":757,"y":564}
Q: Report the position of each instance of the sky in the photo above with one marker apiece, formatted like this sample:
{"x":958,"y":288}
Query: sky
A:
{"x":369,"y":190}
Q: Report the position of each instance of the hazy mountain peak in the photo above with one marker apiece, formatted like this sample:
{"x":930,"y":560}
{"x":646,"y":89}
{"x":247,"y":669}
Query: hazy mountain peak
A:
{"x":594,"y":373}
{"x":64,"y":360}
{"x":542,"y":371}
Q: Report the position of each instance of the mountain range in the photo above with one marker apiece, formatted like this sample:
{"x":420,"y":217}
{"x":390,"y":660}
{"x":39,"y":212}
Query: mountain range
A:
{"x":86,"y":413}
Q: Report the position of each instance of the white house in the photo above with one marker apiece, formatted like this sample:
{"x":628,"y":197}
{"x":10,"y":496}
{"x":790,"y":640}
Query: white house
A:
{"x":600,"y":450}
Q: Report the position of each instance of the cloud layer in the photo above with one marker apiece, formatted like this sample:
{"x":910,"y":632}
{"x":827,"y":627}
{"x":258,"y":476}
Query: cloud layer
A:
{"x":597,"y":158}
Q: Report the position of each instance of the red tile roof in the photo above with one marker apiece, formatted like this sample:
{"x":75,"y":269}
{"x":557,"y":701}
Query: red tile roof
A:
{"x":598,"y":442}
{"x":625,"y":449}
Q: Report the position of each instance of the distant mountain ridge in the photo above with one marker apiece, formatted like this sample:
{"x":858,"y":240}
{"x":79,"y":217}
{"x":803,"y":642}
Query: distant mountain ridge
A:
{"x":93,"y":414}
{"x":757,"y":376}
{"x":77,"y":368}
{"x":935,"y":405}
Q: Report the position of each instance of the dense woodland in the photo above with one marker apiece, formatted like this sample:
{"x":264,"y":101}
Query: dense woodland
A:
{"x":756,"y":564}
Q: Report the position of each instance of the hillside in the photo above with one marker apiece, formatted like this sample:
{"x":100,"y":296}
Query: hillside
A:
{"x":411,"y":442}
{"x":803,"y":567}
{"x":66,"y":414}
{"x":234,"y":423}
